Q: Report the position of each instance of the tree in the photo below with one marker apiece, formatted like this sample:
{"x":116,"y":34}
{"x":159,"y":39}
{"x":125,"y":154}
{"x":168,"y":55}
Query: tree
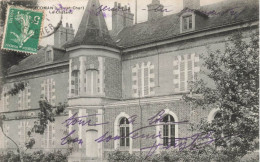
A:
{"x":235,"y":74}
{"x":46,"y":115}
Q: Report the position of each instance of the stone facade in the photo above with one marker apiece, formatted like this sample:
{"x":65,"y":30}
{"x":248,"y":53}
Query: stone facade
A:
{"x":114,"y":83}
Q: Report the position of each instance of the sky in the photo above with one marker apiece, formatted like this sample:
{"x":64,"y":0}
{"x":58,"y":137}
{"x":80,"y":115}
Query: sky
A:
{"x":79,"y":6}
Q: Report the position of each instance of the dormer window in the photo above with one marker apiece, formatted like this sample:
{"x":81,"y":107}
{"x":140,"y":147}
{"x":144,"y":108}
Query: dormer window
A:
{"x":48,"y":56}
{"x":187,"y":22}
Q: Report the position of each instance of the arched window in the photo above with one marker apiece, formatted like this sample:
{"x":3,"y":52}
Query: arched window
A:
{"x":124,"y":132}
{"x":75,"y":83}
{"x":168,"y":131}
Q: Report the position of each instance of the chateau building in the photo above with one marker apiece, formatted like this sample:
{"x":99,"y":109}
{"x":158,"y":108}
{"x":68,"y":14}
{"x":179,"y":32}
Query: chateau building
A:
{"x":119,"y":79}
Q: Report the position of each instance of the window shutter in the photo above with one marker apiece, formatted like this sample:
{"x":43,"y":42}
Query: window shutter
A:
{"x":182,"y":74}
{"x":152,"y":79}
{"x":176,"y":73}
{"x":53,"y":97}
{"x":20,"y":100}
{"x":53,"y":134}
{"x":189,"y":71}
{"x":135,"y":80}
{"x":146,"y":82}
{"x":28,"y":97}
{"x":139,"y":75}
{"x":196,"y":65}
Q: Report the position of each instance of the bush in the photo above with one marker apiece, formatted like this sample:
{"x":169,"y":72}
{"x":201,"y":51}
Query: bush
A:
{"x":38,"y":156}
{"x":207,"y":154}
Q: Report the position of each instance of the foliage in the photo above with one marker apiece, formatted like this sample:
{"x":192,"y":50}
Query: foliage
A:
{"x":16,"y":89}
{"x":120,"y":156}
{"x":47,"y":114}
{"x":235,"y":73}
{"x":39,"y":156}
{"x":206,"y":154}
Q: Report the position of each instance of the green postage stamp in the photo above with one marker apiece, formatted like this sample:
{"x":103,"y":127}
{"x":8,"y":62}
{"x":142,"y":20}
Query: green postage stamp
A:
{"x":22,"y":29}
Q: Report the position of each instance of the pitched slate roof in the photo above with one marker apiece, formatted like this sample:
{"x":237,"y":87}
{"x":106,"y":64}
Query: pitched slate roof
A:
{"x":38,"y":60}
{"x":167,"y":27}
{"x":92,"y":29}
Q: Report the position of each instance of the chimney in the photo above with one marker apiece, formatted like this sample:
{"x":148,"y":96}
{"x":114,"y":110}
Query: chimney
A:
{"x":63,"y":35}
{"x":191,"y":4}
{"x":155,"y":10}
{"x":121,"y":17}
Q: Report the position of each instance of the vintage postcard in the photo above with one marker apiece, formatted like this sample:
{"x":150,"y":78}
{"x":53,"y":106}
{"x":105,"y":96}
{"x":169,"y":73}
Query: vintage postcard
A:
{"x":129,"y":80}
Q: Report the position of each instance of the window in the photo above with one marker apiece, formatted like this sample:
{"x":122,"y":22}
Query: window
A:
{"x":4,"y":99}
{"x":24,"y":98}
{"x":124,"y":132}
{"x":48,"y":56}
{"x":187,"y":22}
{"x":24,"y":127}
{"x":48,"y":90}
{"x":48,"y":137}
{"x":75,"y":83}
{"x":122,"y":128}
{"x":143,"y":80}
{"x":91,"y":81}
{"x":168,"y":131}
{"x":185,"y":71}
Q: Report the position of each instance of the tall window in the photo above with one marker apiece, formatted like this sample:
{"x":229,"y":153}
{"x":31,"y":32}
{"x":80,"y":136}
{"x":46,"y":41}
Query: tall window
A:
{"x":4,"y":99}
{"x":143,"y":79}
{"x":187,"y":22}
{"x":24,"y":98}
{"x":91,"y":81}
{"x":75,"y":83}
{"x":168,"y":131}
{"x":186,"y":68}
{"x":49,"y":134}
{"x":124,"y":132}
{"x":24,"y":127}
{"x":48,"y":91}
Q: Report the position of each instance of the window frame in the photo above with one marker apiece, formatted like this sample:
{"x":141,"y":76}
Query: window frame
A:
{"x":143,"y":80}
{"x":169,"y":135}
{"x":159,"y":127}
{"x":49,"y":55}
{"x":94,"y":77}
{"x":124,"y":129}
{"x":73,"y":79}
{"x":190,"y":23}
{"x":117,"y":133}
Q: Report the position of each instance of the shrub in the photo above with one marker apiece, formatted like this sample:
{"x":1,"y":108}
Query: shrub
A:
{"x":207,"y":154}
{"x":38,"y":156}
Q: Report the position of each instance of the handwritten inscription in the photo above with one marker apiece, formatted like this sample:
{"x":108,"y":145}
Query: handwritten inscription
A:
{"x":230,"y":11}
{"x":80,"y":121}
{"x":73,"y":120}
{"x":68,"y":138}
{"x":194,"y":142}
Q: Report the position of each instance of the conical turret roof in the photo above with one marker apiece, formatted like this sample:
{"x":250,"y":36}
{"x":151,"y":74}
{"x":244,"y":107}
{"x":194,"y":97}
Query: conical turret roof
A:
{"x":92,"y":29}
